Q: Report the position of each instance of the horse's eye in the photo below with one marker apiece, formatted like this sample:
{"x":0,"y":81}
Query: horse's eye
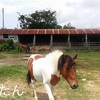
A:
{"x":72,"y":66}
{"x":73,"y":63}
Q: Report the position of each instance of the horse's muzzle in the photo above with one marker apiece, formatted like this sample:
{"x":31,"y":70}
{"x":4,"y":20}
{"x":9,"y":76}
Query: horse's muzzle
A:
{"x":73,"y":86}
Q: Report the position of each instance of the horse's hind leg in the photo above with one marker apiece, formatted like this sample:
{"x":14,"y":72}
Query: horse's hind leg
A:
{"x":19,"y":50}
{"x":26,"y":51}
{"x":34,"y":87}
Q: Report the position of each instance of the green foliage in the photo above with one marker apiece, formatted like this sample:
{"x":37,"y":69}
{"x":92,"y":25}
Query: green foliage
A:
{"x":7,"y":46}
{"x":44,"y":19}
{"x":39,"y":20}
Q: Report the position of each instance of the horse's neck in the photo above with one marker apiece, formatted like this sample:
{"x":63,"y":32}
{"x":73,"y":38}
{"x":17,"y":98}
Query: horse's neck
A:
{"x":53,"y":58}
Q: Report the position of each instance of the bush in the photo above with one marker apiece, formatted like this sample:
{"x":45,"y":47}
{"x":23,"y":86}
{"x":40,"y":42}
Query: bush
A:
{"x":7,"y":46}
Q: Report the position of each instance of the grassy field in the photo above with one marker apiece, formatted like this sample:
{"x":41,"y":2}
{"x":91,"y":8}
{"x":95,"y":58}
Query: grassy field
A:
{"x":13,"y":69}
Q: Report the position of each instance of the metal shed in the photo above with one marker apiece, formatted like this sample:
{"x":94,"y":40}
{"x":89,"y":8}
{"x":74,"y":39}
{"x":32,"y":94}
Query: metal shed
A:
{"x":71,"y":38}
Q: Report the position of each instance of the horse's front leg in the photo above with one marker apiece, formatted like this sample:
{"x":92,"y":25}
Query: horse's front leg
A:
{"x":34,"y":87}
{"x":49,"y":91}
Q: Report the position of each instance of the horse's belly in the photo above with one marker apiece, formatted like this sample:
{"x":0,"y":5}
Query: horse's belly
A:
{"x":38,"y":77}
{"x":42,"y":70}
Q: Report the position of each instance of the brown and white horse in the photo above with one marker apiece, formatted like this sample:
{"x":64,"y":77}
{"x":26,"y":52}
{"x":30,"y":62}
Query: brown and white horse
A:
{"x":24,"y":47}
{"x":49,"y":70}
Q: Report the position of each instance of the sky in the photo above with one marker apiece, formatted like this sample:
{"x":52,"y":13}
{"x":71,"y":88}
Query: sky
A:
{"x":80,"y":13}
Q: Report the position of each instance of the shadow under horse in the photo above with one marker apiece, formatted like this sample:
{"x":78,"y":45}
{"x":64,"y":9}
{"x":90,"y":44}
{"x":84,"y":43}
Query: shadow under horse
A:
{"x":25,"y":47}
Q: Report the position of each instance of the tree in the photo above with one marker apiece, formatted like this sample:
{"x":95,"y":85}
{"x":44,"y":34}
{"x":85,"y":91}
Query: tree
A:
{"x":39,"y":20}
{"x":68,"y":26}
{"x":58,"y":27}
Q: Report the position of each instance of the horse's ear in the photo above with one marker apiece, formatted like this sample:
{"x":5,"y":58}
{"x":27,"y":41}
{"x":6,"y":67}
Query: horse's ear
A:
{"x":61,"y":61}
{"x":74,"y":57}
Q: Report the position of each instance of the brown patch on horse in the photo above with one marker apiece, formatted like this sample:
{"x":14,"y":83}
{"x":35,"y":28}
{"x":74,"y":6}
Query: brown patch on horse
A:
{"x":38,"y":56}
{"x":54,"y":80}
{"x":30,"y":68}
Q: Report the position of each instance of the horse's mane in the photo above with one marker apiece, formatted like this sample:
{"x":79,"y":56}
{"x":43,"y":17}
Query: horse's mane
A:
{"x":65,"y":59}
{"x":54,"y":57}
{"x":55,"y":53}
{"x":70,"y":61}
{"x":58,"y":59}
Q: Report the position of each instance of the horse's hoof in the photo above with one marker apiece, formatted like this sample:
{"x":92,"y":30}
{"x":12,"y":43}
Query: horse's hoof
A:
{"x":36,"y":98}
{"x":52,"y":99}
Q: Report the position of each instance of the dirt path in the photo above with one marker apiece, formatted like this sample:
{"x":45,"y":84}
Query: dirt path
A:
{"x":14,"y":59}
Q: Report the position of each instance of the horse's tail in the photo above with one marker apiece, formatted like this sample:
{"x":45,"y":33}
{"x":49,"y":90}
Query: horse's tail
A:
{"x":29,"y":77}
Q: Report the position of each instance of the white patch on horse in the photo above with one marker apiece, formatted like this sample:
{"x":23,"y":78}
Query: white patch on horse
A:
{"x":54,"y":57}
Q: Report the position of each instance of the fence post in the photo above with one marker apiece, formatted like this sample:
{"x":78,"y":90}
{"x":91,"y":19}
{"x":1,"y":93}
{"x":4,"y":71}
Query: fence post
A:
{"x":69,"y":43}
{"x":86,"y":41}
{"x":34,"y":40}
{"x":51,"y":41}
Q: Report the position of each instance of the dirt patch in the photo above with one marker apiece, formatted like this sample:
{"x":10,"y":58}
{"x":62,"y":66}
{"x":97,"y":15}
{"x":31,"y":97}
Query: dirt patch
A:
{"x":93,"y":90}
{"x":14,"y":60}
{"x":26,"y":90}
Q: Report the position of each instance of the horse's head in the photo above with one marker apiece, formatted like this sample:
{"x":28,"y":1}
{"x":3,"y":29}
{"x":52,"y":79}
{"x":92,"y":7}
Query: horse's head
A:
{"x":67,"y":67}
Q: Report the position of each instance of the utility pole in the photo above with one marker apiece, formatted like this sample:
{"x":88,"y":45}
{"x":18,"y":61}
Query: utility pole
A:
{"x":3,"y":18}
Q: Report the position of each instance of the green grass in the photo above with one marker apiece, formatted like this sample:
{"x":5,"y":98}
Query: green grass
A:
{"x":15,"y":71}
{"x":15,"y":74}
{"x":2,"y":56}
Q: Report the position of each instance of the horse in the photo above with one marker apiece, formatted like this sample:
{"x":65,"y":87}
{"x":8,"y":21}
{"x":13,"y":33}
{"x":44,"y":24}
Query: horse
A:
{"x":24,"y":47}
{"x":49,"y":69}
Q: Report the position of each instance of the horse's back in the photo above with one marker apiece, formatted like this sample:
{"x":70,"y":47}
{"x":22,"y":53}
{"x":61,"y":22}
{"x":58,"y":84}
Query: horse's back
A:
{"x":34,"y":55}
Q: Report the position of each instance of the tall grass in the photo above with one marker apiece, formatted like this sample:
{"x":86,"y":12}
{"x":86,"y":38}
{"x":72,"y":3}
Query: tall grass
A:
{"x":13,"y":72}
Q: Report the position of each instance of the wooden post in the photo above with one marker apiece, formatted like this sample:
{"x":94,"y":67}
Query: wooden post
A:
{"x":34,"y":41}
{"x":69,"y":43}
{"x":51,"y":41}
{"x":86,"y":41}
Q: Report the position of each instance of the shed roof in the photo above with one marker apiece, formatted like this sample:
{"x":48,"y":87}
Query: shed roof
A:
{"x":49,"y":31}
